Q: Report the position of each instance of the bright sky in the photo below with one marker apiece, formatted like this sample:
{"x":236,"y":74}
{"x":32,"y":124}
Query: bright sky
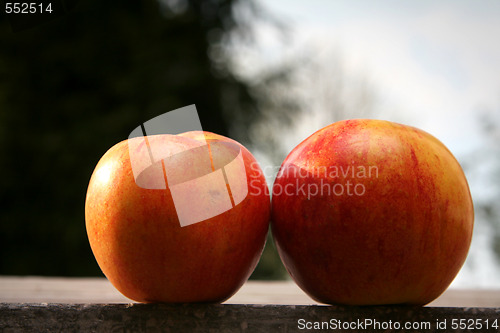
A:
{"x":434,"y":65}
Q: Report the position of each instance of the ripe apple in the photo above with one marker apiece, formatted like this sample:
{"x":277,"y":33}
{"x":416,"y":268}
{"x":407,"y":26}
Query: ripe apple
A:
{"x":368,"y":212}
{"x":135,"y":228}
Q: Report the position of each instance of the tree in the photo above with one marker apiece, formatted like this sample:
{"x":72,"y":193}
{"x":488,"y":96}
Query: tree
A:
{"x":317,"y":90}
{"x":73,"y":87}
{"x":487,"y":208}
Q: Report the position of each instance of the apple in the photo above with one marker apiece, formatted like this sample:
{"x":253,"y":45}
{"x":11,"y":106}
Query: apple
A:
{"x":368,"y":212}
{"x":197,"y":239}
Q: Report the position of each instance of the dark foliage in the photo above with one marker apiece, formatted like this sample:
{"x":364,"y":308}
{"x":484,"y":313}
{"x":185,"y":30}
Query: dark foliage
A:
{"x":73,"y":87}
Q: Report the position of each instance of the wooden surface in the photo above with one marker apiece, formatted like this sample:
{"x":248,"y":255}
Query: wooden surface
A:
{"x":99,"y":290}
{"x":222,"y":318}
{"x":34,"y":304}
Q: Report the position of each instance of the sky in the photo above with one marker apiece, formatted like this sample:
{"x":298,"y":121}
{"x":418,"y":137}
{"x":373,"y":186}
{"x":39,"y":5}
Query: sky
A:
{"x":434,"y":65}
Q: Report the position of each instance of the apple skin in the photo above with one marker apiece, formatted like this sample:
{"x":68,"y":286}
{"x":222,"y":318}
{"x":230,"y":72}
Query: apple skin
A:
{"x":140,"y":246}
{"x":400,"y":241}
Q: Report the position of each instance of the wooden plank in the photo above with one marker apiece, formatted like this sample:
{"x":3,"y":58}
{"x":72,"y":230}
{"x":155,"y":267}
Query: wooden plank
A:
{"x":93,"y":305}
{"x":222,"y":318}
{"x":99,"y":290}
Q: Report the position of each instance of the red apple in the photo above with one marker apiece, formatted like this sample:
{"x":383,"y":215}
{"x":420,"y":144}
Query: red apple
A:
{"x":369,"y":212}
{"x":155,"y":250}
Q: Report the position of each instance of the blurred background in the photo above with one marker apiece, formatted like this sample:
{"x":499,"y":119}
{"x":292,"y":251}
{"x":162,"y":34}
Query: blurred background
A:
{"x":267,"y":74}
